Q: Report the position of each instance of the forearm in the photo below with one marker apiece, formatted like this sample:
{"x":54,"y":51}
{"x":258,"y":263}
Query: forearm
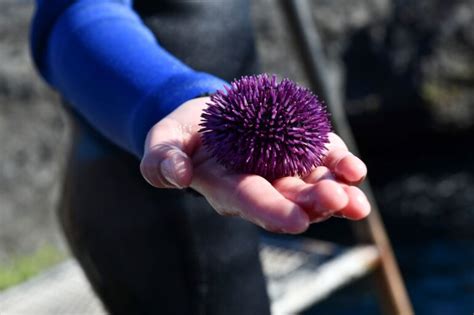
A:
{"x":107,"y":64}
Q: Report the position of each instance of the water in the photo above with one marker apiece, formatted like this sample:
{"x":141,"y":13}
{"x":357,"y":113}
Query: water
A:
{"x":439,"y":275}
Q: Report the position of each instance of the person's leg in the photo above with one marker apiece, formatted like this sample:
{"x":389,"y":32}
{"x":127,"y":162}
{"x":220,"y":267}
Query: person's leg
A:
{"x":150,"y":251}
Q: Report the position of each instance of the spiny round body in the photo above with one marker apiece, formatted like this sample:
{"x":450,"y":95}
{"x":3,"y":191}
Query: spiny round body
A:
{"x":265,"y":127}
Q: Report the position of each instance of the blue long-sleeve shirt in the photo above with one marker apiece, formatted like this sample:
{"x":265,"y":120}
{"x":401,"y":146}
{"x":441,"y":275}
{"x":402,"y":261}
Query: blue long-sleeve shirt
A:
{"x":101,"y":57}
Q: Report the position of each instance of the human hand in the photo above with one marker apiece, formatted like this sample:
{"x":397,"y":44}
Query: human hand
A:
{"x":175,"y":158}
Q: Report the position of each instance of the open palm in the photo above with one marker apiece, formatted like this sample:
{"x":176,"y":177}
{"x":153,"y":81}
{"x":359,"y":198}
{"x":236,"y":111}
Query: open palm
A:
{"x":175,"y":158}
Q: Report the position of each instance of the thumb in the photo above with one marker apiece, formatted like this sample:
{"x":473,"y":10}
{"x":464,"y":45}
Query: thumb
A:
{"x":164,"y":163}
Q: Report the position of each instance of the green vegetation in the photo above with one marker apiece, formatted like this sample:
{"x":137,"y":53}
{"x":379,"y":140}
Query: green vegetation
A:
{"x":22,"y":268}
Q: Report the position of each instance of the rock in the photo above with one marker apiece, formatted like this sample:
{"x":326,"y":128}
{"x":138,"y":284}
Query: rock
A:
{"x":420,"y":58}
{"x":276,"y":45}
{"x":407,"y":69}
{"x":447,"y":74}
{"x":33,"y":138}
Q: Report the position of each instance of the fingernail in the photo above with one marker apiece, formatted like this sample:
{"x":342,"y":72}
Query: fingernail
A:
{"x":360,"y":180}
{"x":168,"y":171}
{"x":364,"y":203}
{"x":299,"y":224}
{"x":339,"y":214}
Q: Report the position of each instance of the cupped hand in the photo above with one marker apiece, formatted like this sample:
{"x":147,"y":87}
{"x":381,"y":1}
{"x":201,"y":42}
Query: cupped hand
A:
{"x":175,"y":158}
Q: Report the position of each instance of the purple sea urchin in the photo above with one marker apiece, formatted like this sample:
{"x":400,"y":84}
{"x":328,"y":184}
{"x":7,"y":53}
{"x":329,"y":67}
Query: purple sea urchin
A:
{"x":269,"y":128}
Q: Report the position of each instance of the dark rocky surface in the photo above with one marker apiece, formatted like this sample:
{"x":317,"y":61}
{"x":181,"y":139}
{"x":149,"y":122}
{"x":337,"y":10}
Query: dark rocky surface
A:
{"x":33,"y":138}
{"x":397,"y":60}
{"x":402,"y":54}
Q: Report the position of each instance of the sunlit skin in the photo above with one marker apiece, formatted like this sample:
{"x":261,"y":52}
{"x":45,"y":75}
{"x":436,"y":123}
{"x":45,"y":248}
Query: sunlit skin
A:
{"x":175,"y":158}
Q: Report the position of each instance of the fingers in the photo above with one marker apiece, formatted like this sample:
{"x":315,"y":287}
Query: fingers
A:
{"x":358,"y":207}
{"x":169,"y":145}
{"x":346,"y":166}
{"x":343,"y":163}
{"x":250,"y":197}
{"x":320,"y":200}
{"x":165,"y":163}
{"x":319,"y":173}
{"x":166,"y":166}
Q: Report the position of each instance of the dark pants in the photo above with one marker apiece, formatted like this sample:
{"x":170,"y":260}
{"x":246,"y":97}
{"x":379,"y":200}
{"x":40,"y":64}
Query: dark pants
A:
{"x":152,"y":251}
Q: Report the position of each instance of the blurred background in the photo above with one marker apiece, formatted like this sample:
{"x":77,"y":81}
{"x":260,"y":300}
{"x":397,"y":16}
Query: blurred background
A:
{"x":407,"y":72}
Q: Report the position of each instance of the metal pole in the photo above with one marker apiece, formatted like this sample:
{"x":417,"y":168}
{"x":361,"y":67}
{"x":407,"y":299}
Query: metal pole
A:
{"x":392,"y":292}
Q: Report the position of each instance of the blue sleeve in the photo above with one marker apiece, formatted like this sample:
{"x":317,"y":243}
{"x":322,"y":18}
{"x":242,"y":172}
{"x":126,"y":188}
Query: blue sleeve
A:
{"x":101,"y":57}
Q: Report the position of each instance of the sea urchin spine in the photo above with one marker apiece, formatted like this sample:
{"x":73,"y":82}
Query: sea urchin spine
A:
{"x":265,"y":127}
